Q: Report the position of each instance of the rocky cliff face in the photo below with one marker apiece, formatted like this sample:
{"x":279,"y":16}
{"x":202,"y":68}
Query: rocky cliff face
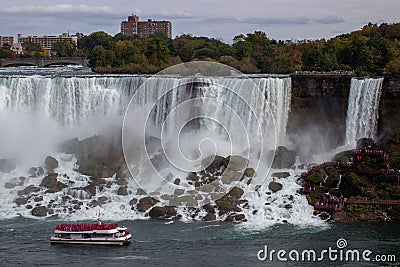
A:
{"x":389,"y":108}
{"x":319,"y":109}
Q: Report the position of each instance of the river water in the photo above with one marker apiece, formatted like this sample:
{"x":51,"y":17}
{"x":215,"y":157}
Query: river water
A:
{"x":25,"y":242}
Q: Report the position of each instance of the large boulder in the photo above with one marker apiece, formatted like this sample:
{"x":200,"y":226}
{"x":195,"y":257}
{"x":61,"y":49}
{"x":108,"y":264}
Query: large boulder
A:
{"x":123,"y":191}
{"x":146,"y":203}
{"x":281,"y":175}
{"x":40,"y":211}
{"x":99,"y":156}
{"x":21,"y":201}
{"x":284,"y":158}
{"x":230,"y":176}
{"x":212,"y":163}
{"x":51,"y":182}
{"x":50,"y":163}
{"x":28,"y":190}
{"x":163,"y":213}
{"x":275,"y":186}
{"x":249,"y":172}
{"x":236,"y":192}
{"x":236,"y":163}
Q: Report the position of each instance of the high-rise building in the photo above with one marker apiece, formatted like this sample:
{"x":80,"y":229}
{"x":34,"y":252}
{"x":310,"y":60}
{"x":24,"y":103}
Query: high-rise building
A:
{"x":9,"y":40}
{"x":47,"y":41}
{"x":134,"y":27}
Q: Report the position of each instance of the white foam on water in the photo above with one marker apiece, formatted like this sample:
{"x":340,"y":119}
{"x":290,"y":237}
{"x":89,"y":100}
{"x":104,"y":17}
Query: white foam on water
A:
{"x":79,"y":103}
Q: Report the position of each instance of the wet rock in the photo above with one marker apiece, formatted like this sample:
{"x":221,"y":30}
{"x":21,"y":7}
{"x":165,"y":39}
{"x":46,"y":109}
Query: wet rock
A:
{"x":51,"y":164}
{"x":38,"y":198}
{"x":249,"y":172}
{"x":123,"y":191}
{"x":28,"y":207}
{"x":102,"y":200}
{"x":15,"y":182}
{"x":236,"y":163}
{"x":133,"y":201}
{"x":209,"y":208}
{"x":229,"y":176}
{"x":40,"y":211}
{"x":188,"y":200}
{"x":140,"y":192}
{"x":50,"y":181}
{"x":226,"y":205}
{"x":146,"y":203}
{"x":236,"y":192}
{"x":275,"y":187}
{"x":284,"y":158}
{"x":167,"y":197}
{"x":208,"y":188}
{"x":212,"y":163}
{"x":281,"y":174}
{"x":209,"y":217}
{"x":9,"y":185}
{"x":163,"y":213}
{"x":179,"y":192}
{"x":122,"y":181}
{"x":90,"y":189}
{"x":177,"y":181}
{"x":98,"y":156}
{"x":28,"y":190}
{"x":192,"y":177}
{"x":7,"y":165}
{"x":235,"y":217}
{"x":36,"y":172}
{"x":21,"y":201}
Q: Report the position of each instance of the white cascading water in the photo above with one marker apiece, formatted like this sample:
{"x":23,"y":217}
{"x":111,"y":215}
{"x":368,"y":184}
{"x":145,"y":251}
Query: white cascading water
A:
{"x":362,"y":112}
{"x":75,"y":101}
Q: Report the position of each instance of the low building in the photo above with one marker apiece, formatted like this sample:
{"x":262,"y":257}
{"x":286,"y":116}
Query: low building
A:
{"x":47,"y":41}
{"x":6,"y":40}
{"x":145,"y":29}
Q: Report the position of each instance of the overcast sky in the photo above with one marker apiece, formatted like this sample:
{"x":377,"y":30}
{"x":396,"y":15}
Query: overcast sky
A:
{"x":280,"y":19}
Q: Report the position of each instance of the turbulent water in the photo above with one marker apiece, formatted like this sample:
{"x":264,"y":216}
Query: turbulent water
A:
{"x":69,"y":106}
{"x":44,"y":110}
{"x":362,"y":113}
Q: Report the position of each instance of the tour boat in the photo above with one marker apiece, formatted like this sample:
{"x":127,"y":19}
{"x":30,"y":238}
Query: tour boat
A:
{"x":96,"y":234}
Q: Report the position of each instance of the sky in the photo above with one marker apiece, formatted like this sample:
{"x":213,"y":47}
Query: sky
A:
{"x":222,"y":19}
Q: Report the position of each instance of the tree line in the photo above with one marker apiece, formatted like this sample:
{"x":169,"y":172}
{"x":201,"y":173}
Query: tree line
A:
{"x":373,"y":50}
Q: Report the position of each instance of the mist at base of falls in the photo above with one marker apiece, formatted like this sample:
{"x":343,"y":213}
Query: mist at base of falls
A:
{"x":42,"y":112}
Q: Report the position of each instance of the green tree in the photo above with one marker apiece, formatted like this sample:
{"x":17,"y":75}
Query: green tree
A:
{"x":6,"y":53}
{"x":33,"y":50}
{"x":88,"y":43}
{"x":98,"y":56}
{"x":64,"y":49}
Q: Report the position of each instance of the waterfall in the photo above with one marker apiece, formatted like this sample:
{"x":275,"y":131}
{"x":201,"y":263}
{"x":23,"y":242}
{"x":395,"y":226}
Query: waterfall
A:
{"x":73,"y":100}
{"x":362,"y":112}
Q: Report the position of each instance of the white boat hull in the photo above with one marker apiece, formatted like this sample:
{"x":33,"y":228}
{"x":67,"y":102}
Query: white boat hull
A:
{"x":91,"y":241}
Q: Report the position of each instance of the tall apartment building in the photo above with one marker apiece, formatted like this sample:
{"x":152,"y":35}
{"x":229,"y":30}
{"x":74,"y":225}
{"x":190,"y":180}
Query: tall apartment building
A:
{"x":47,"y":41}
{"x":9,"y":40}
{"x":134,"y":27}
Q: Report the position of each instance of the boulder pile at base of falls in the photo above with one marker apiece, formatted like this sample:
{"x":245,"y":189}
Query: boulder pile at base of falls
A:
{"x":102,"y":173}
